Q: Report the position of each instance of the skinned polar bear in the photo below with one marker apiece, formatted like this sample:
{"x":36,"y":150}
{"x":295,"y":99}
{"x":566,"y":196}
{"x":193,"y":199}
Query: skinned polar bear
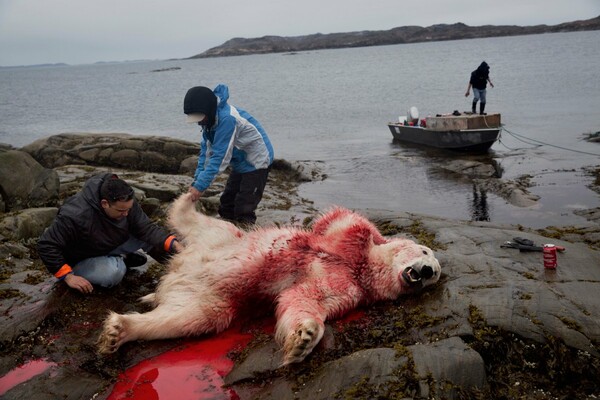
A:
{"x":310,"y":275}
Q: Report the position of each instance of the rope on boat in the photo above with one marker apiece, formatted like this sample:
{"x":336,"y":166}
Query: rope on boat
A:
{"x":537,"y":143}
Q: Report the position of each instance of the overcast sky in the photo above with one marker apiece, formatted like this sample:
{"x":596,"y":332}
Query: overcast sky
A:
{"x":87,"y":31}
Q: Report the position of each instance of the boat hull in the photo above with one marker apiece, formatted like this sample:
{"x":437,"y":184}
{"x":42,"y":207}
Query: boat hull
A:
{"x":469,"y":140}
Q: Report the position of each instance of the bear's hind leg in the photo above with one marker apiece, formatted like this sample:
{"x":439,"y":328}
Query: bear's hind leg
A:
{"x":113,"y":334}
{"x":161,"y":323}
{"x":122,"y":328}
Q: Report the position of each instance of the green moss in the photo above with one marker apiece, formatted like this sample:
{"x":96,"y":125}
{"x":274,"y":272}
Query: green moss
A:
{"x":306,"y":222}
{"x":10,"y":294}
{"x":563,"y":233}
{"x":401,"y":350}
{"x":34,"y":279}
{"x":360,"y":390}
{"x":416,"y":230}
{"x":4,"y":273}
{"x":520,"y":368}
{"x":528,"y":275}
{"x":570,"y":323}
{"x":388,"y":229}
{"x":403,"y":384}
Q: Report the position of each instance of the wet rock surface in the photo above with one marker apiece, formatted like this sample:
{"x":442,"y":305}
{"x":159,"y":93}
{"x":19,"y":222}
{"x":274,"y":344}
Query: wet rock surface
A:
{"x":121,"y":150}
{"x":498,"y":324}
{"x":24,"y":182}
{"x":487,"y":176}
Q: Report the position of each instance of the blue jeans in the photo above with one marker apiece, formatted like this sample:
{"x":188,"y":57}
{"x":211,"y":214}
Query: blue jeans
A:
{"x":108,"y":271}
{"x":479,"y":94}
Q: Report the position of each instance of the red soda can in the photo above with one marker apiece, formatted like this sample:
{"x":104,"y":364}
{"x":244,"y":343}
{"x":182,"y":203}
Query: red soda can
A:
{"x":549,"y":252}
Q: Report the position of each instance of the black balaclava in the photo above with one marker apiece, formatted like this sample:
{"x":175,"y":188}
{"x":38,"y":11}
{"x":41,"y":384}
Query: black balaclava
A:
{"x":483,"y":69}
{"x":200,"y":99}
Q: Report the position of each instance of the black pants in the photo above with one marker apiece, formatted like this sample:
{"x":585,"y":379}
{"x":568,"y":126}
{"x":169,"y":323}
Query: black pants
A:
{"x":242,"y":194}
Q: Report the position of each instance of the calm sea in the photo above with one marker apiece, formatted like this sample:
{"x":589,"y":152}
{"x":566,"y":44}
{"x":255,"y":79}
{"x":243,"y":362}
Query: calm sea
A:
{"x":333,"y":105}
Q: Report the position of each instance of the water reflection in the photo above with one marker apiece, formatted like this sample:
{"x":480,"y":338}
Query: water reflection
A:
{"x":479,"y":205}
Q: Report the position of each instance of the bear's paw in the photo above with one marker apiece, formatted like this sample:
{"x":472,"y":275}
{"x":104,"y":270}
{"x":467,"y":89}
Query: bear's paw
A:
{"x":113,"y":334}
{"x":302,"y":341}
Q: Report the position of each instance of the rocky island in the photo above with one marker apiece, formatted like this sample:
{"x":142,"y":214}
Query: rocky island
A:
{"x":399,"y":35}
{"x":498,"y":325}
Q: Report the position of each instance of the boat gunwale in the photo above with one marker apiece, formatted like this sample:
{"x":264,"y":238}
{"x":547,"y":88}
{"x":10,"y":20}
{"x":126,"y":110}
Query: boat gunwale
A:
{"x":398,"y":124}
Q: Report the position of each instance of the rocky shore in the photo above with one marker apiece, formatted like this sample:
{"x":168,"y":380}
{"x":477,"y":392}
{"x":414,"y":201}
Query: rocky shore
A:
{"x":497,"y":325}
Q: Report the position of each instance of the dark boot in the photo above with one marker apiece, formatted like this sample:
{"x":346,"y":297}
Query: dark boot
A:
{"x":474,"y":107}
{"x":136,"y":259}
{"x":481,"y":108}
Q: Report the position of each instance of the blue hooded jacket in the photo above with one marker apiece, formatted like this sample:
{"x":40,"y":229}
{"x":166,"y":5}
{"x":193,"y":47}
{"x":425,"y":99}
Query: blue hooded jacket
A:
{"x":235,"y":139}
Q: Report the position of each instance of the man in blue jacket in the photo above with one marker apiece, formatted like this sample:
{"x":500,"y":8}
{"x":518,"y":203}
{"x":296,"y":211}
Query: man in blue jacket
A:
{"x":230,"y":137}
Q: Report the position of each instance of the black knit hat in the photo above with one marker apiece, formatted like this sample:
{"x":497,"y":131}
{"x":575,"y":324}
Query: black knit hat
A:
{"x":201,"y":100}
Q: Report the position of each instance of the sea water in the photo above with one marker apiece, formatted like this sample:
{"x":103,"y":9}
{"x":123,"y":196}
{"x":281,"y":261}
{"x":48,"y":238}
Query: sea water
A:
{"x":333,"y":106}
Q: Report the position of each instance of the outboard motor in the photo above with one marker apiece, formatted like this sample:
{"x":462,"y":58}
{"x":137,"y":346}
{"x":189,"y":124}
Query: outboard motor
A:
{"x":413,"y":116}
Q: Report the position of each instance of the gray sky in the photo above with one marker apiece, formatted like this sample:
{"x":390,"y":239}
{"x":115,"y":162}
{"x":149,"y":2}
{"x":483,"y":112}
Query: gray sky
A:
{"x":86,"y":31}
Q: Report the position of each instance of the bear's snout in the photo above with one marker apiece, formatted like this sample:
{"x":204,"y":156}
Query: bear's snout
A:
{"x":426,"y":272}
{"x":416,"y":277}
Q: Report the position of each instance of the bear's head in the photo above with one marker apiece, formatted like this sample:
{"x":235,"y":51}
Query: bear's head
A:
{"x":412,"y":266}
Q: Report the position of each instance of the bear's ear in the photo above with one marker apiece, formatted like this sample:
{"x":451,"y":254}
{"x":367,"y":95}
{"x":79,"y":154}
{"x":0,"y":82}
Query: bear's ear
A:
{"x":341,"y":220}
{"x":369,"y":232}
{"x":378,"y":237}
{"x":332,"y":221}
{"x":356,"y":242}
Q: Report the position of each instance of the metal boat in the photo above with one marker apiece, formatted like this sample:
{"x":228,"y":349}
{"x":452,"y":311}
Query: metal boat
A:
{"x":461,"y":132}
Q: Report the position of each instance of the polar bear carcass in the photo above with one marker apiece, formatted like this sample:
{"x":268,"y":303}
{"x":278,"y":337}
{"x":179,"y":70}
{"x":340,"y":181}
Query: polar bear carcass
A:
{"x":310,"y":275}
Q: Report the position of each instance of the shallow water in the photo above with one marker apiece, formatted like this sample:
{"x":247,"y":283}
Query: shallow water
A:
{"x":333,"y":106}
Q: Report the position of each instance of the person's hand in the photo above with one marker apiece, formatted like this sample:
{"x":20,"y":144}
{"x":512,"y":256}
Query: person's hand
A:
{"x":79,"y":283}
{"x":195,"y":194}
{"x":467,"y":94}
{"x":178,"y":247}
{"x":491,"y":84}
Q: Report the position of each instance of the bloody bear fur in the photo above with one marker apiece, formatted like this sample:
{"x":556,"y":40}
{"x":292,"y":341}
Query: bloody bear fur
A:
{"x":310,"y":276}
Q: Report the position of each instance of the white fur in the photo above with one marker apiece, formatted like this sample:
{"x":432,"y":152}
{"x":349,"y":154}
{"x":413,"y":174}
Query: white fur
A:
{"x":311,"y":276}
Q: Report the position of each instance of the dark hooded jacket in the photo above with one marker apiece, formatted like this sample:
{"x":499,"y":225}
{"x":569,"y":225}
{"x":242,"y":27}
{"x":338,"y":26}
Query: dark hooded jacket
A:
{"x":82,"y":230}
{"x":480,"y":76}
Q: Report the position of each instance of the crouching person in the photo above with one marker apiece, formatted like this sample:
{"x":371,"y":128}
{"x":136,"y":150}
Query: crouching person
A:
{"x":97,"y":233}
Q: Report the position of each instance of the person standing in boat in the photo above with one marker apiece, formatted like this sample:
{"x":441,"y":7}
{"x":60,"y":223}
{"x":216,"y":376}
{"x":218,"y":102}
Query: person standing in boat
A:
{"x":479,"y":79}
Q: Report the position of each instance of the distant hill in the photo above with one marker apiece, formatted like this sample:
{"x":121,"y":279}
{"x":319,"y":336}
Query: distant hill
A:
{"x":37,"y":66}
{"x":404,"y":34}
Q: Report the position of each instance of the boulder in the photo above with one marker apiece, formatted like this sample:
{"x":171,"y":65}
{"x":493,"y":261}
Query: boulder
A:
{"x":432,"y":370}
{"x":471,"y":169}
{"x":24,"y":182}
{"x":27,"y":224}
{"x":120,"y":150}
